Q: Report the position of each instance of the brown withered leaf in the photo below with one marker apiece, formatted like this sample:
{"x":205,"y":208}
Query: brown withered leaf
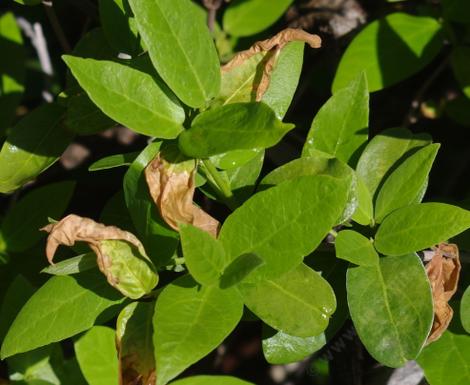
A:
{"x":275,"y":45}
{"x":443,"y":272}
{"x":172,"y":188}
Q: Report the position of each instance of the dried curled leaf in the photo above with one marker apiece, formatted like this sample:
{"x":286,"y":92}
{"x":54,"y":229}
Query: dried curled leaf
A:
{"x":120,"y":255}
{"x":443,"y":272}
{"x":172,"y":187}
{"x":274,"y":45}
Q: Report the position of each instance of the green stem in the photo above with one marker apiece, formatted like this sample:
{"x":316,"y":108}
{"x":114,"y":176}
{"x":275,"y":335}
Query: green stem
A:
{"x":221,"y":184}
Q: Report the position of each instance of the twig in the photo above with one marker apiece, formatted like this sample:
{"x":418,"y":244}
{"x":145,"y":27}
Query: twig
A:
{"x":35,"y":33}
{"x":59,"y":32}
{"x":212,"y":8}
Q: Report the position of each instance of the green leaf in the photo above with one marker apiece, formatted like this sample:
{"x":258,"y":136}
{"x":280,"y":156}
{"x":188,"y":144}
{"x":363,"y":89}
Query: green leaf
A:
{"x":458,"y":110}
{"x":189,"y":322}
{"x":97,"y":356}
{"x":245,"y":18}
{"x":33,"y":145}
{"x":115,"y":213}
{"x":20,"y":227}
{"x":62,"y":307}
{"x":12,"y":69}
{"x":340,"y":127}
{"x":239,"y":269}
{"x":29,"y":2}
{"x":405,"y":183}
{"x":391,"y":307}
{"x":234,"y":159}
{"x":134,"y":332}
{"x":159,"y":240}
{"x":181,"y":48}
{"x":460,"y":59}
{"x":232,"y":127}
{"x":383,"y":152}
{"x":211,"y":380}
{"x":119,"y":26}
{"x":364,"y":214}
{"x":465,"y":310}
{"x":419,"y":226}
{"x":355,"y":248}
{"x":298,"y":303}
{"x":132,"y":97}
{"x":447,"y":360}
{"x":113,"y":161}
{"x":286,"y":222}
{"x":74,"y":265}
{"x":390,"y":50}
{"x":280,"y":348}
{"x":456,"y":10}
{"x":203,"y":255}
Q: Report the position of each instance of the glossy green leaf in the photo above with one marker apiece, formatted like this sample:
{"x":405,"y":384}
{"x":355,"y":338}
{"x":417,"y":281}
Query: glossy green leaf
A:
{"x":355,"y":248}
{"x":405,"y":183}
{"x":97,"y":356}
{"x":460,"y":59}
{"x":211,"y":380}
{"x":12,"y":69}
{"x":181,"y":48}
{"x":286,"y":222}
{"x":383,"y":152}
{"x":248,"y":17}
{"x":62,"y":307}
{"x":419,"y":226}
{"x":239,"y":269}
{"x":20,"y":227}
{"x":232,"y":127}
{"x":298,"y":303}
{"x":465,"y":310}
{"x":74,"y":265}
{"x":364,"y":213}
{"x":447,"y":360}
{"x":189,"y":322}
{"x":234,"y":159}
{"x":390,"y":50}
{"x":132,"y":97}
{"x":159,"y":240}
{"x":340,"y":127}
{"x":113,"y":161}
{"x":456,"y":10}
{"x":391,"y":307}
{"x":33,"y":145}
{"x":134,"y":333}
{"x":280,"y":348}
{"x":119,"y":26}
{"x":204,"y":255}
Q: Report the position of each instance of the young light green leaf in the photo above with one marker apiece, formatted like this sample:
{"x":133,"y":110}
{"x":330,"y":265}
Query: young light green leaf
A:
{"x":20,"y":227}
{"x":33,"y":145}
{"x":12,"y":69}
{"x":134,"y":333}
{"x":419,"y":226}
{"x":204,"y":255}
{"x":232,"y":127}
{"x":181,"y":48}
{"x":280,"y":348}
{"x":390,"y":50}
{"x":62,"y":307}
{"x":97,"y":356}
{"x":391,"y":307}
{"x":132,"y":97}
{"x":113,"y":161}
{"x":405,"y":183}
{"x":181,"y":338}
{"x":465,"y":310}
{"x":299,"y":303}
{"x":364,"y":214}
{"x":340,"y":127}
{"x":459,"y":59}
{"x":239,"y":269}
{"x":159,"y":240}
{"x":383,"y":152}
{"x":211,"y":380}
{"x":245,"y":18}
{"x":447,"y":361}
{"x":286,"y":222}
{"x":74,"y":265}
{"x":355,"y":248}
